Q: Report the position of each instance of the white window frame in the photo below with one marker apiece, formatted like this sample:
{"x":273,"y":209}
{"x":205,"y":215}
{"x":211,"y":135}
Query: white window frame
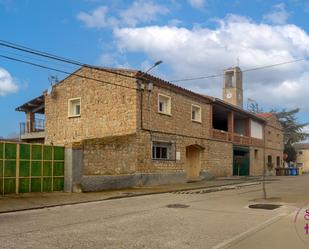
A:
{"x":199,"y":119}
{"x":70,"y":106}
{"x":169,"y":104}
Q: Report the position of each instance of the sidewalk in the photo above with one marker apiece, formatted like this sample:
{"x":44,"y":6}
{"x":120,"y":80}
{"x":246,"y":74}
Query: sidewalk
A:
{"x":28,"y":201}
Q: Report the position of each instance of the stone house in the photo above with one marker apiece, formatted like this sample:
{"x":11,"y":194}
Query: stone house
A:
{"x":133,"y":128}
{"x":302,"y":156}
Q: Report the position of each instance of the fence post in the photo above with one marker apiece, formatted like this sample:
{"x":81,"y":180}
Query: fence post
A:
{"x":17,"y":168}
{"x":73,"y":165}
{"x":68,"y":169}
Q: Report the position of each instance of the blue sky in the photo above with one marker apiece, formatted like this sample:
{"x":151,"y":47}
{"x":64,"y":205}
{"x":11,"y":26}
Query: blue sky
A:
{"x":193,"y":38}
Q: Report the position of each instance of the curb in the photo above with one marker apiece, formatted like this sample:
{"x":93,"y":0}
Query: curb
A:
{"x":130,"y":195}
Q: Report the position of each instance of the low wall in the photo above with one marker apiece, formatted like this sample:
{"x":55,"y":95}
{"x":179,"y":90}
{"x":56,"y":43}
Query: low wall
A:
{"x":104,"y":182}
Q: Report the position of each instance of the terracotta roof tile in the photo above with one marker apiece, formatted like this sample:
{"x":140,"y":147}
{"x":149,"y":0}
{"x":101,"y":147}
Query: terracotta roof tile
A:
{"x":265,"y":115}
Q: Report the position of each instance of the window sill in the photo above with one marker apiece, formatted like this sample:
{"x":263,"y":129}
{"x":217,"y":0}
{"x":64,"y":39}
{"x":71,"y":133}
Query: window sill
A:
{"x":76,"y":116}
{"x":196,"y":121}
{"x":163,"y":160}
{"x":164,"y":113}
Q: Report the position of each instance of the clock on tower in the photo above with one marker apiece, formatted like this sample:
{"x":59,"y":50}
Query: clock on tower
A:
{"x":232,"y":89}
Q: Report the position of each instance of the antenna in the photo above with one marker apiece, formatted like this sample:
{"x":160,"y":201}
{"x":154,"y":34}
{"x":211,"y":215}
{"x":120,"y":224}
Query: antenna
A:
{"x":237,"y":61}
{"x":53,"y":79}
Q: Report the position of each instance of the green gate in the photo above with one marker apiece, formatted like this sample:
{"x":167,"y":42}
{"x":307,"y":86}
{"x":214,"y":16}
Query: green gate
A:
{"x":30,"y":168}
{"x":241,"y":161}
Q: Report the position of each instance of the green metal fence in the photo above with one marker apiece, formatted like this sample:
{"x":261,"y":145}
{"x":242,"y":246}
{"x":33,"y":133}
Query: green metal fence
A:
{"x":30,"y":168}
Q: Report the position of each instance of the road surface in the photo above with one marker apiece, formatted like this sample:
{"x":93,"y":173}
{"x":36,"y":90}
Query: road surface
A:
{"x":207,"y":220}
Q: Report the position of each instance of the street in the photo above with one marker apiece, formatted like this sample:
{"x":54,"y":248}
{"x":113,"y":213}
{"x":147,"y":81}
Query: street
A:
{"x":203,"y":220}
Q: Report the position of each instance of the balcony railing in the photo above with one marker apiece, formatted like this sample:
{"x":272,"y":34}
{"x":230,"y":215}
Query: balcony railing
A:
{"x":236,"y":138}
{"x":221,"y":135}
{"x":38,"y":125}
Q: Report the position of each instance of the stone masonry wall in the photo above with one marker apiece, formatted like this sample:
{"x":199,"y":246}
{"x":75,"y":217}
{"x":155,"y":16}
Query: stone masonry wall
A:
{"x":106,"y":110}
{"x":216,"y":157}
{"x":179,"y":122}
{"x":110,"y":156}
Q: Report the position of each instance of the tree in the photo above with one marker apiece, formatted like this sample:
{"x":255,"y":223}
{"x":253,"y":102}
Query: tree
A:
{"x":292,"y":130}
{"x":290,"y":151}
{"x":253,"y":106}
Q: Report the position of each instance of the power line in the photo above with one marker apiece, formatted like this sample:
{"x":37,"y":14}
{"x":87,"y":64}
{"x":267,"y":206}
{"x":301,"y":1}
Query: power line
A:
{"x":32,"y":58}
{"x":274,"y":65}
{"x":244,"y":71}
{"x":77,"y":63}
{"x":56,"y":57}
{"x":62,"y":71}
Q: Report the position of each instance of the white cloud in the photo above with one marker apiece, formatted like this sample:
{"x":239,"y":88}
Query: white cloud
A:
{"x":174,"y":22}
{"x":139,"y":12}
{"x":7,"y":84}
{"x":279,"y":15}
{"x":202,"y":51}
{"x":142,"y":12}
{"x":97,"y":18}
{"x":197,"y":4}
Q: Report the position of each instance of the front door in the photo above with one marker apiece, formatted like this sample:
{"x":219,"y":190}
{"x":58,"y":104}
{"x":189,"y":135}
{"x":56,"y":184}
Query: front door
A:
{"x":241,"y":162}
{"x":193,"y":162}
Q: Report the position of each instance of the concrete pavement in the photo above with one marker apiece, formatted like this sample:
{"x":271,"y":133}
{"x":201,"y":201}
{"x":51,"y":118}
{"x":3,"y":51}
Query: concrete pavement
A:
{"x":208,"y":220}
{"x":12,"y":203}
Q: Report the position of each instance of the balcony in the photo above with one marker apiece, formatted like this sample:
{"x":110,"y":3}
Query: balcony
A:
{"x":236,"y":138}
{"x":235,"y":126}
{"x":32,"y":130}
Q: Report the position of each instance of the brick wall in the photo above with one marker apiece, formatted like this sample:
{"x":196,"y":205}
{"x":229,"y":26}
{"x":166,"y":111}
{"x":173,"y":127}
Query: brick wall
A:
{"x":106,"y":110}
{"x":219,"y":158}
{"x":256,"y":160}
{"x":273,"y":141}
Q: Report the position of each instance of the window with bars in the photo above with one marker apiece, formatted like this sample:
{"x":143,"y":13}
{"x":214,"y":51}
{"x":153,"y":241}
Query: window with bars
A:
{"x":162,"y":151}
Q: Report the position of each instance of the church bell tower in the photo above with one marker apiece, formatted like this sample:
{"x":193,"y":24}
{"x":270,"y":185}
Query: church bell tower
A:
{"x":232,"y":89}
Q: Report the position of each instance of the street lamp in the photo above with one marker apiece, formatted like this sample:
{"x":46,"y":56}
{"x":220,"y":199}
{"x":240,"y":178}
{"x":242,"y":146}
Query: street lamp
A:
{"x":150,"y":85}
{"x":154,"y":65}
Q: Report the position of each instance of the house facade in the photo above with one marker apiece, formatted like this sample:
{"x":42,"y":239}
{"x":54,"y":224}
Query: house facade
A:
{"x":302,"y":156}
{"x":133,"y":128}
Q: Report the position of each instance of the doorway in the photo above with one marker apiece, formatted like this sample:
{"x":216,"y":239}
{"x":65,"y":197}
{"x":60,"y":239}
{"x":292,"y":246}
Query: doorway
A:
{"x":193,"y":162}
{"x":241,"y":161}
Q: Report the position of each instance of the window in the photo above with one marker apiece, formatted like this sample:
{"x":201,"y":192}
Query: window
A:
{"x":164,"y":104}
{"x":161,"y":150}
{"x":300,"y":152}
{"x":278,"y":161}
{"x":74,"y":107}
{"x":256,"y":153}
{"x":196,"y":113}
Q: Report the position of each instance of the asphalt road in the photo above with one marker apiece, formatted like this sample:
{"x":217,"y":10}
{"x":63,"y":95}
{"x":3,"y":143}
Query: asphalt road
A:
{"x":211,"y":220}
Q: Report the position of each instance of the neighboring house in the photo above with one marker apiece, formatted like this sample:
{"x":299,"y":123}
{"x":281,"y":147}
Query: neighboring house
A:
{"x":147,"y":130}
{"x":302,"y":158}
{"x":274,"y":144}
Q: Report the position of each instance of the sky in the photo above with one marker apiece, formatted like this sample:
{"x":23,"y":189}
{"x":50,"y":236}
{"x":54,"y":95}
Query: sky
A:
{"x":193,"y":38}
